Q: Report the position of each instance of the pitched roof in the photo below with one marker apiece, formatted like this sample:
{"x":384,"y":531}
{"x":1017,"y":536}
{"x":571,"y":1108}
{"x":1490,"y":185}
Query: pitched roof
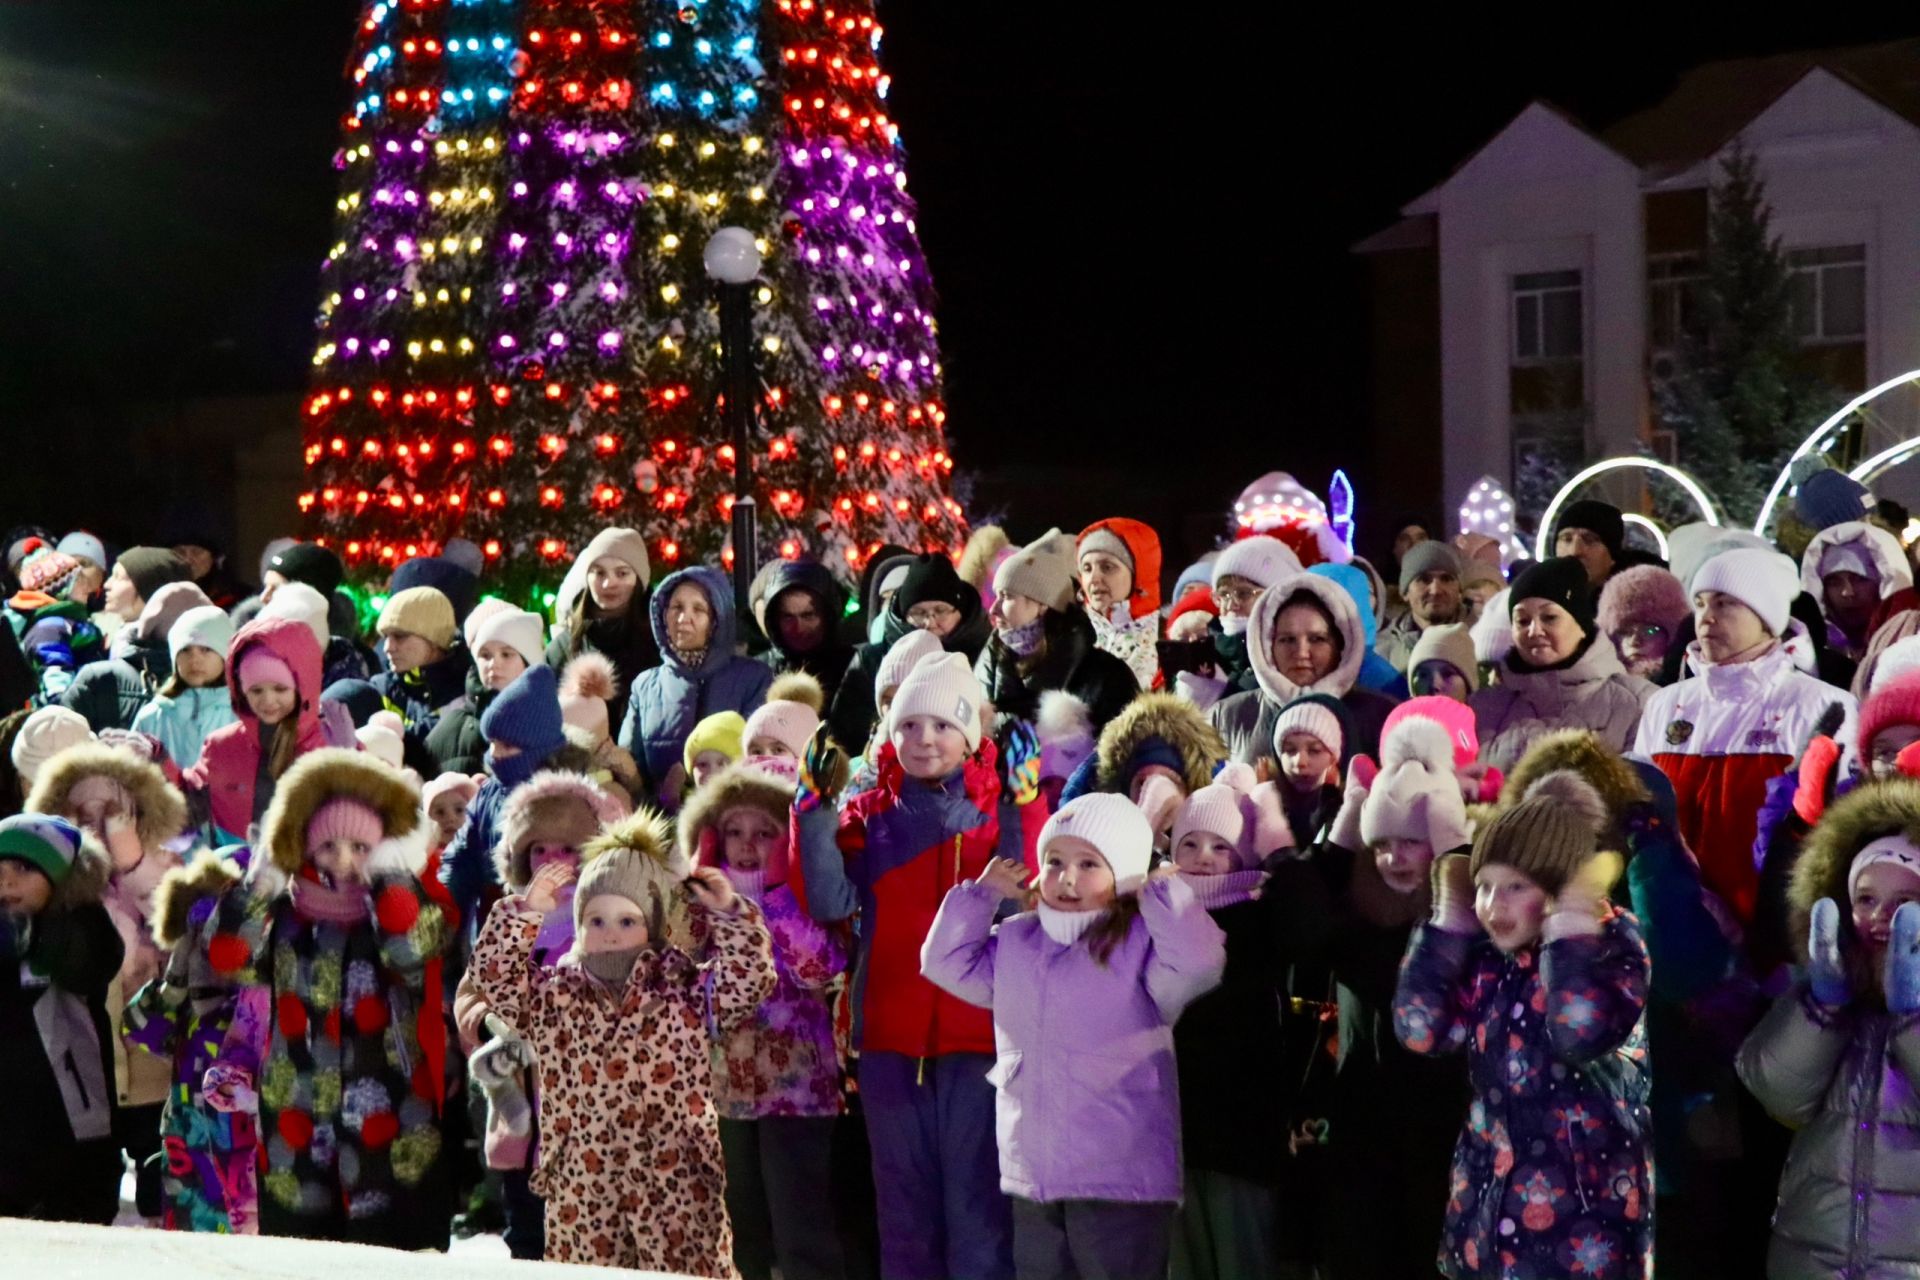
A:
{"x":1713,"y":102}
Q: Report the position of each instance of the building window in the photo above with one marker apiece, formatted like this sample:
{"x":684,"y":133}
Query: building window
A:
{"x":1547,"y":319}
{"x":1829,"y":293}
{"x":1674,"y":285}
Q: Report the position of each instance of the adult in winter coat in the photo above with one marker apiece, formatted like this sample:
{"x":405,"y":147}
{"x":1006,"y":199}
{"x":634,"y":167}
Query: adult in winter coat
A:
{"x":799,"y":606}
{"x":1851,"y":569}
{"x":1042,"y":639}
{"x":1305,"y":636}
{"x":1748,"y":708}
{"x":878,"y":581}
{"x":1430,"y":582}
{"x":1376,"y":673}
{"x":602,"y":607}
{"x":1118,"y":564}
{"x":427,"y":664}
{"x":1595,"y":534}
{"x":699,"y":674}
{"x":1838,"y":1056}
{"x":930,"y":597}
{"x":1562,"y":672}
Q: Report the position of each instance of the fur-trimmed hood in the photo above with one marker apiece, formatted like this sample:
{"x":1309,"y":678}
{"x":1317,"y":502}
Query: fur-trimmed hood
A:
{"x":1582,"y":752}
{"x":183,"y":888}
{"x":544,"y":791}
{"x":321,"y":775}
{"x":739,"y":786}
{"x":1866,"y":813}
{"x":161,"y":808}
{"x":1339,"y":606}
{"x":1173,"y":720}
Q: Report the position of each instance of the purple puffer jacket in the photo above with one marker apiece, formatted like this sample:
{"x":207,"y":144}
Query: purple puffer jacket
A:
{"x":1088,"y":1097}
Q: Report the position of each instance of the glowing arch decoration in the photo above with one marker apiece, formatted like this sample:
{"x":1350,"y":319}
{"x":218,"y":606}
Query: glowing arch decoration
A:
{"x":1886,"y":460}
{"x":1543,"y":544}
{"x":1340,"y":510}
{"x":1659,"y":534}
{"x":1819,"y":434}
{"x":1488,"y":511}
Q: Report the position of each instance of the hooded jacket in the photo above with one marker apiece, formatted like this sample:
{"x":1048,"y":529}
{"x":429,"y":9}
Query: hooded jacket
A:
{"x":856,"y":708}
{"x":667,"y":701}
{"x":229,"y":766}
{"x":1070,"y":662}
{"x":1378,"y":670}
{"x":827,"y":663}
{"x":1846,"y":1079}
{"x":1721,"y":736}
{"x":1246,"y":720}
{"x":1594,"y":692}
{"x":455,"y":741}
{"x":1888,"y":559}
{"x":1133,"y":639}
{"x":183,"y":721}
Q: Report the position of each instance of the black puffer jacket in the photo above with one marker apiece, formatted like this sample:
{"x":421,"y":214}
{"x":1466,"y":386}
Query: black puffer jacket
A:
{"x":627,"y":642}
{"x":1067,"y":660}
{"x":456,"y":743}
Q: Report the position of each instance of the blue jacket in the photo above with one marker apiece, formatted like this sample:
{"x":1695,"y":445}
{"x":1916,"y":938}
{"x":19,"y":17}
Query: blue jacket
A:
{"x":667,"y":701}
{"x":183,"y":723}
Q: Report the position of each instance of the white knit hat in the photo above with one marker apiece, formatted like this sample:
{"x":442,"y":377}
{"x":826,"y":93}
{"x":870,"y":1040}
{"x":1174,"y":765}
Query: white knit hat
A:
{"x":1765,"y":581}
{"x":1417,"y":795}
{"x":384,"y":738}
{"x":903,"y":657}
{"x":480,"y":613}
{"x":44,"y":735}
{"x":515,"y":628}
{"x":1261,"y":560}
{"x":944,"y":688}
{"x":1896,"y":849}
{"x":1114,"y":826}
{"x":1302,"y":716}
{"x":207,"y":626}
{"x":1217,"y":810}
{"x":303,"y":604}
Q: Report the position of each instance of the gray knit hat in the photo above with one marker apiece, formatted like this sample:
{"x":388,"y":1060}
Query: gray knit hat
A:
{"x":1431,"y":556}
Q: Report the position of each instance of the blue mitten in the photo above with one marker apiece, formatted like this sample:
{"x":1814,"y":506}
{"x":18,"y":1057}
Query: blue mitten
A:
{"x":1903,"y":960}
{"x":1827,"y":975}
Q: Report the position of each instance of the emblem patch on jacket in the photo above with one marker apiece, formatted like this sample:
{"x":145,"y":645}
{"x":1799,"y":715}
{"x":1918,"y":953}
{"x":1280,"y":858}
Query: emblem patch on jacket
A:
{"x":1679,"y":731}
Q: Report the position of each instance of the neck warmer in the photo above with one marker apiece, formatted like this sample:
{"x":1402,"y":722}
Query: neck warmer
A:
{"x":1024,"y":642}
{"x":1235,"y":624}
{"x":1065,"y":927}
{"x":611,"y":967}
{"x":325,"y":904}
{"x":751,"y":885}
{"x":1215,"y":892}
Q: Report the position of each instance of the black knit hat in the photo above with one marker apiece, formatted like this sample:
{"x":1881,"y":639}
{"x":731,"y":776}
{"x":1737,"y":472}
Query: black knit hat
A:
{"x":932,"y":577}
{"x":1563,"y":580}
{"x":1603,"y":519}
{"x":152,"y":568}
{"x":314,"y":565}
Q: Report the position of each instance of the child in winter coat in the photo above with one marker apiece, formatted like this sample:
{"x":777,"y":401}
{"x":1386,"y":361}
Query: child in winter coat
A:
{"x":1237,"y":1080}
{"x":776,"y":1079}
{"x":587,"y":686}
{"x":213,"y":1037}
{"x":59,"y":951}
{"x":1838,"y":1057}
{"x":715,"y":743}
{"x":336,"y":924}
{"x":547,"y":821}
{"x":630,"y":1159}
{"x":1553,"y":1173}
{"x":126,"y":804}
{"x":900,"y":658}
{"x":446,"y":799}
{"x":776,"y":735}
{"x":193,"y":701}
{"x":939,"y":813}
{"x":503,"y":642}
{"x":1084,"y":991}
{"x":273,"y":684}
{"x":1308,"y":739}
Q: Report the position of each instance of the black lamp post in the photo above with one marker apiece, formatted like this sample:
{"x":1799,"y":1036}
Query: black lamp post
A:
{"x":733,"y":262}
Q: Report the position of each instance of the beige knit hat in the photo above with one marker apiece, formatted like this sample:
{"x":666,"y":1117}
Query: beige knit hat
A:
{"x":944,"y":688}
{"x":1042,"y":570}
{"x":636,"y":859}
{"x":1417,"y":795}
{"x":1548,"y":835}
{"x":420,"y":611}
{"x":1113,"y":825}
{"x":44,"y":735}
{"x":1451,"y":644}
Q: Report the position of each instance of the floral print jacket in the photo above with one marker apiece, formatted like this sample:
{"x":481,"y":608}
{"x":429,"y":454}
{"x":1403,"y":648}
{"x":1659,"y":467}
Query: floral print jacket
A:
{"x":1553,"y":1174}
{"x":783,"y":1061}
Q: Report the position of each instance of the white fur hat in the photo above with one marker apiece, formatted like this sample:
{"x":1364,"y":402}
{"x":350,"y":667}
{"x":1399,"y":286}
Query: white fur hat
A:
{"x":1417,"y":795}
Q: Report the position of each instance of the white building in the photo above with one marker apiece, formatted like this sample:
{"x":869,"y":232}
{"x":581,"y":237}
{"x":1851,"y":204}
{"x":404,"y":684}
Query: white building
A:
{"x":1562,"y":260}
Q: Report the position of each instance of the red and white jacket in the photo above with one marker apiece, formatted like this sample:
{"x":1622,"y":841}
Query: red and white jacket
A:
{"x":1721,"y":736}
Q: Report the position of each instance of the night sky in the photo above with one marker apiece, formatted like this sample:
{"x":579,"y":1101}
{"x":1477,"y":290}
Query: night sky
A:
{"x":1140,"y":230}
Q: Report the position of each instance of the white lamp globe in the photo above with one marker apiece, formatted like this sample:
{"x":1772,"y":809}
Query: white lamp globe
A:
{"x":731,"y":257}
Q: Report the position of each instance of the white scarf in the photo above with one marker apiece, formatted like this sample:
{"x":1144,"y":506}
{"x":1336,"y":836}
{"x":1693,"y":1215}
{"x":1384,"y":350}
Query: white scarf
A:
{"x":1065,"y":927}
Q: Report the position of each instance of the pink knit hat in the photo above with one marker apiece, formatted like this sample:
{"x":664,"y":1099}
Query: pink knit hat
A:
{"x":791,"y":724}
{"x":1455,"y":717}
{"x":458,"y":784}
{"x":1645,"y":593}
{"x":262,"y":666}
{"x":1896,"y":702}
{"x":344,"y":818}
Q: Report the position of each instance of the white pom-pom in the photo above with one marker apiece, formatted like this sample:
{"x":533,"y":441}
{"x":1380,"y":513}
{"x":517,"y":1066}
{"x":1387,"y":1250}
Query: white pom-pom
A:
{"x":1063,"y":718}
{"x":1417,"y":740}
{"x":1900,"y":658}
{"x":590,"y":675}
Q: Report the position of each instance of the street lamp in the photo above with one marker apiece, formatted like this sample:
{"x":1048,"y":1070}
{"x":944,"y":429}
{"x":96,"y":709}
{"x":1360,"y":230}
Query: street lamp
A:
{"x":733,"y":261}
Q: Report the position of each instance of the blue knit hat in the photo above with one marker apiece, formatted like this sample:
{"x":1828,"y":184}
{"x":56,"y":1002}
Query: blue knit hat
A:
{"x":1829,"y":497}
{"x":526,"y":714}
{"x":462,"y":589}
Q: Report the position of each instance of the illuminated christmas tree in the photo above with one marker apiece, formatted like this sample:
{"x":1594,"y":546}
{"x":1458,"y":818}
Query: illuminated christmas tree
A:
{"x":518,"y":344}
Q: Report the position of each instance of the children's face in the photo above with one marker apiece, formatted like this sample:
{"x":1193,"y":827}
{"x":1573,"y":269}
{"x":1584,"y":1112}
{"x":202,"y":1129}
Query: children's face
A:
{"x":765,"y":746}
{"x":1436,"y":677}
{"x":123,"y":598}
{"x":408,"y":652}
{"x":1011,"y":610}
{"x":1201,"y":853}
{"x":94,"y":812}
{"x":1887,"y":746}
{"x":447,"y":812}
{"x":87,"y":582}
{"x":689,"y":618}
{"x":24,"y":888}
{"x":612,"y":923}
{"x":1510,"y":906}
{"x":1105,"y":581}
{"x":610,"y":583}
{"x":929,"y":747}
{"x":542,"y":852}
{"x":1882,"y":889}
{"x":1189,"y":626}
{"x":1403,"y":863}
{"x":199,"y":667}
{"x":501,"y":750}
{"x":342,"y":861}
{"x":1074,"y":877}
{"x":1544,"y":633}
{"x":1724,"y":626}
{"x":1850,"y":598}
{"x":706,"y":764}
{"x":748,"y":838}
{"x":270,"y":700}
{"x":1304,"y":761}
{"x":271,"y":581}
{"x":1642,"y":647}
{"x":500,"y":664}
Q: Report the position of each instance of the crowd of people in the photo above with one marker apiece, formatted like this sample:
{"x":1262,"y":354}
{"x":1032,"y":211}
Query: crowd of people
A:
{"x":1325,"y":917}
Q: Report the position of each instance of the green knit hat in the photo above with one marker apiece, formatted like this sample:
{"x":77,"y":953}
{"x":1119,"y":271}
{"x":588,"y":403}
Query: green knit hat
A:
{"x":46,"y":843}
{"x":1548,"y":835}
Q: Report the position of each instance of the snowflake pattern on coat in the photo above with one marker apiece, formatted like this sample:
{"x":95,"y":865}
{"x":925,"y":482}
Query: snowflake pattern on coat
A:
{"x":1553,"y":1174}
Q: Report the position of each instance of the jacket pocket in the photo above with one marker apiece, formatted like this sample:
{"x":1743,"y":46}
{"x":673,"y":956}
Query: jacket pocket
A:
{"x":1010,"y":1105}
